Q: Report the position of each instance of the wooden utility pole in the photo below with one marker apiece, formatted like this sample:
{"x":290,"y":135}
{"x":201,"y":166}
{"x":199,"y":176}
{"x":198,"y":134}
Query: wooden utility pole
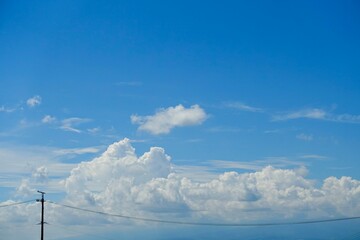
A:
{"x":42,"y":213}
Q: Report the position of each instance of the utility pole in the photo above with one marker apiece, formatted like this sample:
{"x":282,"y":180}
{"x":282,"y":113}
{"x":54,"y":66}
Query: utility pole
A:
{"x":42,"y":213}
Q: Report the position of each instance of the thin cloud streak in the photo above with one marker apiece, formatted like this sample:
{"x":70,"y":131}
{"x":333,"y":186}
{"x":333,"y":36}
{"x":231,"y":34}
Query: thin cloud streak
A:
{"x":317,"y":114}
{"x":313,"y":113}
{"x":77,"y":151}
{"x":70,"y":123}
{"x":7,"y":110}
{"x":243,"y":107}
{"x":305,"y":137}
{"x":313,"y":156}
{"x":130,"y":84}
{"x":24,"y":162}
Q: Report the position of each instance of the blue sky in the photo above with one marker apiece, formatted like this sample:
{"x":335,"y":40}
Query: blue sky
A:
{"x":226,"y":92}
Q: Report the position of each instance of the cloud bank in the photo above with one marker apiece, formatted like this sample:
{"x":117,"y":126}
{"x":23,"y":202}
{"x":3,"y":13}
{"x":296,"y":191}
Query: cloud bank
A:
{"x":121,"y":182}
{"x":164,"y":120}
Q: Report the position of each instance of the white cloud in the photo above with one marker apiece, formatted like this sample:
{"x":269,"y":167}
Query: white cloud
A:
{"x":7,"y":110}
{"x":318,"y":114}
{"x":119,"y":181}
{"x":129,"y":83}
{"x":304,"y":137}
{"x":346,"y":118}
{"x":165,"y":120}
{"x":313,"y":156}
{"x":237,"y":165}
{"x":40,"y":174}
{"x":48,"y":119}
{"x":69,"y":124}
{"x":243,"y":107}
{"x":94,"y":130}
{"x":34,"y":101}
{"x":311,"y":113}
{"x":225,"y":129}
{"x":272,"y":131}
{"x":24,"y":189}
{"x":33,"y":163}
{"x":76,"y":151}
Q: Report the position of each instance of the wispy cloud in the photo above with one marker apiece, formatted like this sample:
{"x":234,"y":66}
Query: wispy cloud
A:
{"x":48,"y":119}
{"x":69,"y":124}
{"x":30,"y":102}
{"x":304,"y":137}
{"x":346,"y":118}
{"x":7,"y":110}
{"x":164,"y":120}
{"x":313,"y":156}
{"x":313,"y":113}
{"x":243,"y":107}
{"x":130,"y":84}
{"x":94,"y":130}
{"x":279,"y":162}
{"x":272,"y":131}
{"x":77,"y":151}
{"x":34,"y":101}
{"x":317,"y":114}
{"x":19,"y":162}
{"x":236,"y":165}
{"x":225,"y":129}
{"x":305,"y":113}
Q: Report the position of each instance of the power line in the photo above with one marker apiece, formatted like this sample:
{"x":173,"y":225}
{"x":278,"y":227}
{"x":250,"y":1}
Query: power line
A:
{"x":17,"y":203}
{"x":205,"y":223}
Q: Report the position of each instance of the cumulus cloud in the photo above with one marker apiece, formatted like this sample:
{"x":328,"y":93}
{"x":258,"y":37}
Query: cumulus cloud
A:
{"x":164,"y":120}
{"x":122,"y":182}
{"x":34,"y":101}
{"x":41,"y":174}
{"x":25,"y":189}
{"x":149,"y":185}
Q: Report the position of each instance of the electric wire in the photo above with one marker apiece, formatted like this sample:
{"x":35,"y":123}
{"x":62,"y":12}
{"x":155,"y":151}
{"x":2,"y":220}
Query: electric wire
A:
{"x":207,"y":223}
{"x":16,"y":203}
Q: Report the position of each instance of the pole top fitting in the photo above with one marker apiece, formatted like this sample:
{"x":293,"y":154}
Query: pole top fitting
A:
{"x":41,"y":192}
